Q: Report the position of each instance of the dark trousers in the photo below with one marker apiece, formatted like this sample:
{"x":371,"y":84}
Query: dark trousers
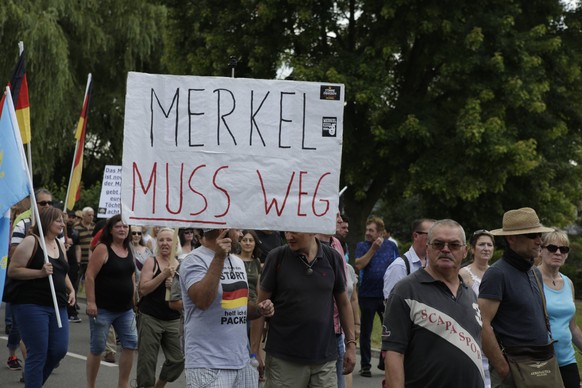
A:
{"x":369,"y":307}
{"x":570,"y":375}
{"x":74,"y":277}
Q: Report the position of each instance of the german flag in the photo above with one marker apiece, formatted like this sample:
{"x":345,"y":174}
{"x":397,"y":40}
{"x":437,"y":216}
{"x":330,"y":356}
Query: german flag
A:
{"x":234,"y":295}
{"x":74,"y":191}
{"x":19,"y":87}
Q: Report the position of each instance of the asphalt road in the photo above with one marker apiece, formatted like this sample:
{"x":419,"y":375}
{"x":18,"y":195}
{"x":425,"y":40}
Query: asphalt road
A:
{"x":71,"y":372}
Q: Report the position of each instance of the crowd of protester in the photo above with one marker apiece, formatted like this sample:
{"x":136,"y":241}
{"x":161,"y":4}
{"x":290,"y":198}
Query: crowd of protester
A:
{"x":233,"y":308}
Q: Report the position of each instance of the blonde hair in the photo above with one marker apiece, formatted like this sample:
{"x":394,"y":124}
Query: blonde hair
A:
{"x":557,"y":235}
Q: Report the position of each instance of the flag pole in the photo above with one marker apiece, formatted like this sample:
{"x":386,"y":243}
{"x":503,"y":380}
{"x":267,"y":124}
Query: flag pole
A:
{"x":28,"y":145}
{"x":76,"y":146}
{"x":35,"y":210}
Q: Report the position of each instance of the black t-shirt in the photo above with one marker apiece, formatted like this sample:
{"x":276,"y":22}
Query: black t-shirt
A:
{"x":114,"y":283}
{"x":302,"y":330}
{"x":37,"y":291}
{"x":439,"y":333}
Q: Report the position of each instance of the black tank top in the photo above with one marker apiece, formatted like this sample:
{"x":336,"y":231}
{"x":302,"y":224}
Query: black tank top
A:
{"x":155,"y":303}
{"x":37,"y":291}
{"x":114,"y":284}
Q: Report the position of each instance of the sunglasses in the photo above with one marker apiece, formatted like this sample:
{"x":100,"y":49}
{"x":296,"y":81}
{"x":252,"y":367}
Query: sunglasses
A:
{"x":136,"y":233}
{"x":554,"y":248}
{"x":420,"y":232}
{"x":188,"y":231}
{"x":533,"y":236}
{"x":440,"y":245}
{"x":45,"y":203}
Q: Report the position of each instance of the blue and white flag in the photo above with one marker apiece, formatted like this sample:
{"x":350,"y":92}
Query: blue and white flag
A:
{"x":14,"y":179}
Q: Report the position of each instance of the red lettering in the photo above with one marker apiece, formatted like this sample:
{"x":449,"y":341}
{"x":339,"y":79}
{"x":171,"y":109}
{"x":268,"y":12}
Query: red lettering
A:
{"x":432,"y":318}
{"x":441,"y":322}
{"x":223,"y":190}
{"x":423,"y":314}
{"x":168,"y":188}
{"x":197,"y":192}
{"x":321,"y":200}
{"x":301,"y":193}
{"x":145,"y":190}
{"x":274,"y":202}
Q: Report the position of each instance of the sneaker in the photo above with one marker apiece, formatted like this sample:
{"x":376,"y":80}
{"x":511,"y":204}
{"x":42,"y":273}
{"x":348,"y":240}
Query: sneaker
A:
{"x":13,"y":363}
{"x":75,"y":319}
{"x":365,"y":373}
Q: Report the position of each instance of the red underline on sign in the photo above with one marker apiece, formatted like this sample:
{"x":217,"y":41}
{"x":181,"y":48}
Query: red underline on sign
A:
{"x":178,"y":220}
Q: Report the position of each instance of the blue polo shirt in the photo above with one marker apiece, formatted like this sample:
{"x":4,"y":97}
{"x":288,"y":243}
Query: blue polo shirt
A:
{"x":372,"y":276}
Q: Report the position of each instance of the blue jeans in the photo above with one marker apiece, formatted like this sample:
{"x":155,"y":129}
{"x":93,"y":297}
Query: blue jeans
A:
{"x":369,"y":307}
{"x":339,"y":364}
{"x":46,"y":344}
{"x":123,"y":323}
{"x":14,"y":334}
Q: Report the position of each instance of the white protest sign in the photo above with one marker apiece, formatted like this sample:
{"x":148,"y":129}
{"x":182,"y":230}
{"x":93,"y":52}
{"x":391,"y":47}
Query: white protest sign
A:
{"x":214,"y":152}
{"x":110,"y":198}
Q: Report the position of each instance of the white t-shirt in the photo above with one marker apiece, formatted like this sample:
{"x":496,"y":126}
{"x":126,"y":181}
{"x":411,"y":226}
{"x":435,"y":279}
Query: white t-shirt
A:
{"x":215,"y":338}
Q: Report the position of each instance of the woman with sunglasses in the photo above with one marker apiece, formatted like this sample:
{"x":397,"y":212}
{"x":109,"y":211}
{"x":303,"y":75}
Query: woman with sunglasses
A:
{"x":559,"y":292}
{"x":482,"y":245}
{"x":139,"y":249}
{"x":188,"y":241}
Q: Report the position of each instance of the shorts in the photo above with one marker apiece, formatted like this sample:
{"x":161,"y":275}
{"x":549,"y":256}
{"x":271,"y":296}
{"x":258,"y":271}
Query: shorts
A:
{"x":123,"y":323}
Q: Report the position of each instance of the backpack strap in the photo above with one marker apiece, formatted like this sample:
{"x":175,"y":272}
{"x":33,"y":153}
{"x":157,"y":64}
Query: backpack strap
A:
{"x":406,"y":263}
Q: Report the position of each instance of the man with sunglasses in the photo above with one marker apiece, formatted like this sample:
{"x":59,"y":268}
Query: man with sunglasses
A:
{"x":509,"y":296}
{"x":432,"y":328}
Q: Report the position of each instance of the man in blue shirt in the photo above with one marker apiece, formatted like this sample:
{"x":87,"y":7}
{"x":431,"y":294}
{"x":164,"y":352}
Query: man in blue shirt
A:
{"x":373,"y":256}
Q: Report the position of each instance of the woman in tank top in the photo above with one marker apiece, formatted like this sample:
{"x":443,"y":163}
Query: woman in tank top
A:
{"x":482,"y":245}
{"x":559,"y":292}
{"x":110,"y":288}
{"x":33,"y":306}
{"x":159,"y":326}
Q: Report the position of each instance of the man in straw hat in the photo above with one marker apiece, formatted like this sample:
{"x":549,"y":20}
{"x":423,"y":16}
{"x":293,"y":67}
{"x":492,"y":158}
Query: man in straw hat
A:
{"x":509,"y":296}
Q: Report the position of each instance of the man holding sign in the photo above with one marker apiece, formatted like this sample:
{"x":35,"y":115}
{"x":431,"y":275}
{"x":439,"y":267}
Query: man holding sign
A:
{"x":215,"y":295}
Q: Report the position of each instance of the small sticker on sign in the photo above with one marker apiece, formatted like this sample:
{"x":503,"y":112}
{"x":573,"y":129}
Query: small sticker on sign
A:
{"x":329,"y":127}
{"x":329,"y":92}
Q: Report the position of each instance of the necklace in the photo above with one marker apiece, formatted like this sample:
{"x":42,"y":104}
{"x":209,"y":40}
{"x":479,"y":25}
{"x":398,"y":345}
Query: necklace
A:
{"x":553,"y":279}
{"x":303,"y":259}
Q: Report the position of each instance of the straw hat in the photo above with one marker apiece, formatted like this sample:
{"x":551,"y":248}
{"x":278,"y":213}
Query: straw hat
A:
{"x":521,"y":221}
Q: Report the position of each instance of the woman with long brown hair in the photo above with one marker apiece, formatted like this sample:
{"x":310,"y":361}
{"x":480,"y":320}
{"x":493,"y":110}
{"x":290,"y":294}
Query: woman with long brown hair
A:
{"x":33,"y":306}
{"x":110,"y":288}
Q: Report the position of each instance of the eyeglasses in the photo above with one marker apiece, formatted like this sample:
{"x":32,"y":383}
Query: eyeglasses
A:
{"x":533,"y":236}
{"x":45,"y":203}
{"x":440,"y":245}
{"x":136,"y":233}
{"x":554,"y":248}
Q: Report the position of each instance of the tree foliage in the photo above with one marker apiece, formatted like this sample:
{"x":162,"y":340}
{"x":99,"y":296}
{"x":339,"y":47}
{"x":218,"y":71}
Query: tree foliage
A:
{"x":459,"y":109}
{"x":465,"y":108}
{"x":64,"y":41}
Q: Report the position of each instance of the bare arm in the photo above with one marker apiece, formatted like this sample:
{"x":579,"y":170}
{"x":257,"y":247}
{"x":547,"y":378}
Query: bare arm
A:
{"x":491,"y":348}
{"x":346,"y":316}
{"x":148,"y":282}
{"x":356,"y":311}
{"x":17,"y":268}
{"x":394,"y":371}
{"x":362,"y":262}
{"x":98,"y":257}
{"x":78,"y":253}
{"x":574,"y":329}
{"x":203,"y":292}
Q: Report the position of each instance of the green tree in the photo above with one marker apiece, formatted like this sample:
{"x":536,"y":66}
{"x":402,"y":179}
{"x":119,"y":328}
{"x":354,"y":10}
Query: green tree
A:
{"x":466,"y":108}
{"x":64,"y":41}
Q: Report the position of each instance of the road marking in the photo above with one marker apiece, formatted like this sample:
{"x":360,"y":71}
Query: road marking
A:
{"x":77,"y":356}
